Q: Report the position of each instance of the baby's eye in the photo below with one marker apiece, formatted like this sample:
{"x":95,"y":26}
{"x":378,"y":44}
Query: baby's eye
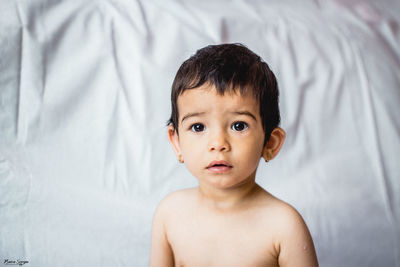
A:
{"x":239,"y":126}
{"x":197,"y":127}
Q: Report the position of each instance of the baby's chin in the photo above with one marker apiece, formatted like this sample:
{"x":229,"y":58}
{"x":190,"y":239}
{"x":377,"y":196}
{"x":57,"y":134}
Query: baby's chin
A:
{"x":225,"y":182}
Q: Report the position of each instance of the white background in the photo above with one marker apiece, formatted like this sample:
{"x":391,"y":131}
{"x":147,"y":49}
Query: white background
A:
{"x":85,"y":96}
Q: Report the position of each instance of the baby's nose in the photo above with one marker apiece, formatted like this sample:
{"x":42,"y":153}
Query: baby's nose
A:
{"x":219,"y":142}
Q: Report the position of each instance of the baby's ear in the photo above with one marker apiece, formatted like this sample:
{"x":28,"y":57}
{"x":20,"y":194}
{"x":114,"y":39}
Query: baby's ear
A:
{"x":174,"y":140}
{"x":274,"y":144}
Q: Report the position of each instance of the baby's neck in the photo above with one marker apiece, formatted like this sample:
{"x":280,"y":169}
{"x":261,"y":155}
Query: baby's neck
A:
{"x":228,"y":200}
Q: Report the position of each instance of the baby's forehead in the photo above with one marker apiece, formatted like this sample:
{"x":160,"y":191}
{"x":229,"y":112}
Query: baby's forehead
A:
{"x":240,"y":93}
{"x":207,"y":98}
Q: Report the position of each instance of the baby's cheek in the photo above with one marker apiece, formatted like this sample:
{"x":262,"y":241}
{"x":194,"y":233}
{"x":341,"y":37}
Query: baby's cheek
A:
{"x":256,"y":152}
{"x":193,"y":159}
{"x":249,"y":153}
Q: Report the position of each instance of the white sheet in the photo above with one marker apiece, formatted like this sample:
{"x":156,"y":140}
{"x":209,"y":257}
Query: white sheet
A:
{"x":84,"y":98}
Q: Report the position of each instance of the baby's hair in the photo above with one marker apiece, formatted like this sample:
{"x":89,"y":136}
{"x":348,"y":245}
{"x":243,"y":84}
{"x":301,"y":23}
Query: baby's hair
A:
{"x":229,"y":67}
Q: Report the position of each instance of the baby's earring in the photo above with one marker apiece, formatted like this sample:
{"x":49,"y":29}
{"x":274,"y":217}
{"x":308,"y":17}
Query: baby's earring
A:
{"x":268,"y":156}
{"x":180,"y":158}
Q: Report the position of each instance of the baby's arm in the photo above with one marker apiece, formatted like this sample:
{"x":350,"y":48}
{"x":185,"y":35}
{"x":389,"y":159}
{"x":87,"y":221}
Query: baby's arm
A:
{"x":296,"y":245}
{"x":161,"y":253}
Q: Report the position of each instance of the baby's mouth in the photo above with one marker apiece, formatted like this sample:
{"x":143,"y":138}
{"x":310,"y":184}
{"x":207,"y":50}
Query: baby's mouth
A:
{"x":219,"y":166}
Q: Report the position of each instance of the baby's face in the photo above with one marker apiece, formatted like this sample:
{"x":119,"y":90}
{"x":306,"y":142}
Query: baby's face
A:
{"x":220,"y":137}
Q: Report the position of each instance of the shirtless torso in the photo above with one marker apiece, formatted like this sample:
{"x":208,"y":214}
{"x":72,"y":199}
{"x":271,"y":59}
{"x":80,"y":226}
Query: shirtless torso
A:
{"x":263,"y":231}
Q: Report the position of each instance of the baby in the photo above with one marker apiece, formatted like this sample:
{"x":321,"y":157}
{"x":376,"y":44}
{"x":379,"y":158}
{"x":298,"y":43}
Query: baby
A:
{"x":225,"y":117}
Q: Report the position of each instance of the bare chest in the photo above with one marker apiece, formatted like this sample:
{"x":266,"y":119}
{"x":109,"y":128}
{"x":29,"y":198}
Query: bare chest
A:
{"x":222,"y":241}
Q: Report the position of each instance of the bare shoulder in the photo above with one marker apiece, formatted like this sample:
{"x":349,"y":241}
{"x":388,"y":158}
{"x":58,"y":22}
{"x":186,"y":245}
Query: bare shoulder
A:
{"x":292,"y":235}
{"x":180,"y":194}
{"x":176,"y":201}
{"x":161,"y":250}
{"x":286,"y":215}
{"x":272,"y":206}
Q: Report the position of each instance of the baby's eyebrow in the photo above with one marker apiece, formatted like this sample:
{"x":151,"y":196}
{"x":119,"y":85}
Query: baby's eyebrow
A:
{"x":193,"y":114}
{"x":244,"y":112}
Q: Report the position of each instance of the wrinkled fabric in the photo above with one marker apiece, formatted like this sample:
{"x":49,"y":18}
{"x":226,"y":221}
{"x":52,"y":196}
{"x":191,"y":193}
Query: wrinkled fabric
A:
{"x":85,"y":96}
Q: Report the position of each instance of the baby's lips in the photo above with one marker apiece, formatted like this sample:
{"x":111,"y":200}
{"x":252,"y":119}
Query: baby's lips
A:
{"x":219,"y":163}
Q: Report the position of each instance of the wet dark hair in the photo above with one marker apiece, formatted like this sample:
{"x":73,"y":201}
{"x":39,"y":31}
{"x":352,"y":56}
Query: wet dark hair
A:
{"x":229,"y":67}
